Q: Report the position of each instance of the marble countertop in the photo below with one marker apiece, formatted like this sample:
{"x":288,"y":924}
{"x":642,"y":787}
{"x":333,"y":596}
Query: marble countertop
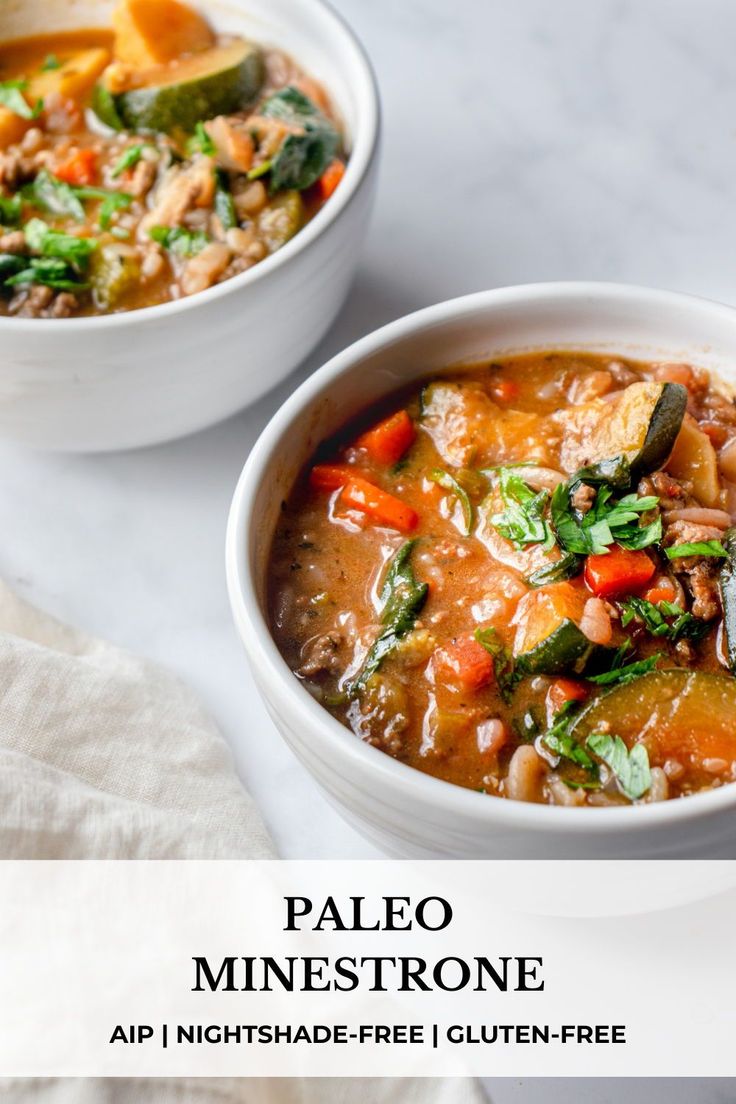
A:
{"x":523,"y":142}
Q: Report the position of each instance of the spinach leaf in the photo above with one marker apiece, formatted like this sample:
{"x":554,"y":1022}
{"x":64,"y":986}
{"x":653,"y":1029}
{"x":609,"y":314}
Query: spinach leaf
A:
{"x":305,"y":154}
{"x":697,"y":548}
{"x":654,"y":618}
{"x":52,"y":243}
{"x":10,"y":210}
{"x":10,"y":263}
{"x":185,"y":243}
{"x":12,"y":98}
{"x":224,"y":205}
{"x":630,"y":768}
{"x":507,"y":675}
{"x":402,"y":598}
{"x":562,"y":743}
{"x":522,"y":520}
{"x":620,"y":675}
{"x":567,"y":567}
{"x":449,"y":483}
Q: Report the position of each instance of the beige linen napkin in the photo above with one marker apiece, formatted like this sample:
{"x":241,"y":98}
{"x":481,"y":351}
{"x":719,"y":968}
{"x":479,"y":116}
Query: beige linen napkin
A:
{"x":103,"y":755}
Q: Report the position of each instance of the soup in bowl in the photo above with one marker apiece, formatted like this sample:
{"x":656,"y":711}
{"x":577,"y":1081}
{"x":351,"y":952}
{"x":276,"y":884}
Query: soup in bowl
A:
{"x":151,"y":283}
{"x":492,"y":575}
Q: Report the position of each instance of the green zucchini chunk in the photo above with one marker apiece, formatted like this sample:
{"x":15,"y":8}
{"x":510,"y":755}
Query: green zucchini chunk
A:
{"x":641,"y":425}
{"x":686,"y":715}
{"x":728,"y":596}
{"x":213,"y":82}
{"x":281,"y":219}
{"x":549,"y":640}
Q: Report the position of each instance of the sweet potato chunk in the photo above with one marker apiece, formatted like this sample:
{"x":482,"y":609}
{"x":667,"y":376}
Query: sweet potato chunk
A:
{"x":152,"y":32}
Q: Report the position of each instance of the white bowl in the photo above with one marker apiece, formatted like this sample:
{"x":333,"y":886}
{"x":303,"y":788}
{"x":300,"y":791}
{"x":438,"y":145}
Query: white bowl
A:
{"x":138,"y":378}
{"x":402,"y":810}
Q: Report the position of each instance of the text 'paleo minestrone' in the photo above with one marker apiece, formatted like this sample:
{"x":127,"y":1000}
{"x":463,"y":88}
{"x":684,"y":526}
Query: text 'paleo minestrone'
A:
{"x":521,"y":578}
{"x":150,"y":163}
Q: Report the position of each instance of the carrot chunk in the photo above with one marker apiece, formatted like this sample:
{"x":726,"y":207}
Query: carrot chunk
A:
{"x":387,"y":442}
{"x":663,"y":591}
{"x":384,"y":508}
{"x":330,"y":477}
{"x":466,"y":662}
{"x":358,"y":493}
{"x":619,"y":571}
{"x":330,"y":178}
{"x":561,"y":691}
{"x":80,"y":168}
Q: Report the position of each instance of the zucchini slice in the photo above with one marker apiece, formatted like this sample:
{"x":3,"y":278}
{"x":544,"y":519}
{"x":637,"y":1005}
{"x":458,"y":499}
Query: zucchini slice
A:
{"x":549,"y":640}
{"x":728,"y":597}
{"x":685,"y":715}
{"x":642,"y":425}
{"x":185,"y":92}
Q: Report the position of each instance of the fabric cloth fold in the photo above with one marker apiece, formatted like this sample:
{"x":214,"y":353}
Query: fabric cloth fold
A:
{"x":107,"y":756}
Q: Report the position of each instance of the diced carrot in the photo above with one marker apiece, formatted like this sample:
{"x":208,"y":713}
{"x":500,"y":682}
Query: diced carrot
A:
{"x":387,"y":442}
{"x":330,"y":178}
{"x":664,"y":590}
{"x":505,"y":390}
{"x":563,"y":690}
{"x":718,"y":434}
{"x":466,"y":662}
{"x":80,"y":168}
{"x":330,"y":477}
{"x":619,"y":571}
{"x":359,"y":494}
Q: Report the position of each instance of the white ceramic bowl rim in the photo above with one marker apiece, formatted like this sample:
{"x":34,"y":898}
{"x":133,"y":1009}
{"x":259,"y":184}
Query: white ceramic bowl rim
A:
{"x":328,"y":737}
{"x":365,"y":140}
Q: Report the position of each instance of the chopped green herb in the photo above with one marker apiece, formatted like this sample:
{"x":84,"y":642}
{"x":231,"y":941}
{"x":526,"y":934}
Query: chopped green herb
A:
{"x":303,"y":156}
{"x":224,"y":205}
{"x":200,"y":142}
{"x":560,"y":741}
{"x":111,"y":202}
{"x":50,"y":271}
{"x":52,"y":243}
{"x":620,"y":675}
{"x":697,"y":548}
{"x":12,"y":98}
{"x":54,"y":196}
{"x":130,"y":157}
{"x":10,"y":210}
{"x":259,"y":170}
{"x":507,"y":676}
{"x":607,"y":522}
{"x":50,"y":62}
{"x":450,"y":483}
{"x":654,"y":618}
{"x":630,"y":768}
{"x":523,"y":520}
{"x":185,"y":243}
{"x":402,"y":599}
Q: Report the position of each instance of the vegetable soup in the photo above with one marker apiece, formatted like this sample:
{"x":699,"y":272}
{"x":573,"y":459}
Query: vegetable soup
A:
{"x":151,"y":161}
{"x":521,"y":578}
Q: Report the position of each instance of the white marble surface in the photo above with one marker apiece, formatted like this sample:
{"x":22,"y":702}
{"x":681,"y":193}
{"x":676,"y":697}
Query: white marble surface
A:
{"x":523,"y":141}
